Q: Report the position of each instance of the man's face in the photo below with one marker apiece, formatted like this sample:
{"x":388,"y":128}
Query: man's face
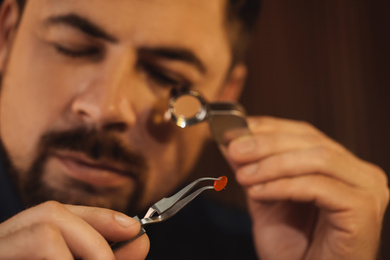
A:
{"x":85,"y":90}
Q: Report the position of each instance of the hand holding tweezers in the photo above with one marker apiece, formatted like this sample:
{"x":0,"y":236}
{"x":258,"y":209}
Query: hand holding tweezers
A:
{"x":168,"y":207}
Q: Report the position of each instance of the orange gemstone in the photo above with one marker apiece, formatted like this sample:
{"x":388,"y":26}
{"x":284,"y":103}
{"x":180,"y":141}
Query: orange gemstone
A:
{"x":220,"y":183}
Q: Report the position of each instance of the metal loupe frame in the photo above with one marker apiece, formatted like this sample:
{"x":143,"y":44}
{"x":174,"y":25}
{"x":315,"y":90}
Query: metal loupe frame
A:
{"x":181,"y":121}
{"x":227,"y":120}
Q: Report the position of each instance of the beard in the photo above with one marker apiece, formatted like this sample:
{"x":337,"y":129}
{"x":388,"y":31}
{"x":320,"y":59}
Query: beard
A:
{"x":33,"y":188}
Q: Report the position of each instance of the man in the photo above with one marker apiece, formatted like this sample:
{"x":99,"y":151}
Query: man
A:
{"x":84,"y":89}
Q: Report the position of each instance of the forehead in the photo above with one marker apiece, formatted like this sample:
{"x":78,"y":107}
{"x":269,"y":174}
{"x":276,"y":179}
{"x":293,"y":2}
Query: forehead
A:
{"x":195,"y":24}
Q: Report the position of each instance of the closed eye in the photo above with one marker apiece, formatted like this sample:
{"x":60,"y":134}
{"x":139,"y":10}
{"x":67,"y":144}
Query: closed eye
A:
{"x":78,"y":52}
{"x":163,"y":77}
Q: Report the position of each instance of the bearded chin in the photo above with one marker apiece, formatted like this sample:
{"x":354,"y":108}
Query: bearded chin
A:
{"x":34,"y":188}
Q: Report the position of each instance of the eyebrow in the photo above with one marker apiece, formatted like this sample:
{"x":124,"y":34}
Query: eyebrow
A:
{"x":177,"y":54}
{"x":82,"y":24}
{"x":88,"y":27}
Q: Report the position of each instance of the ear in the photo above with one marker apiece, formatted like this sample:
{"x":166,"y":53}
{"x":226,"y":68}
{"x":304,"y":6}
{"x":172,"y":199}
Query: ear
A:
{"x":234,"y":83}
{"x":9,"y":18}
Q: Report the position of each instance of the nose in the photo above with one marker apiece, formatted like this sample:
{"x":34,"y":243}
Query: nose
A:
{"x":103,"y":101}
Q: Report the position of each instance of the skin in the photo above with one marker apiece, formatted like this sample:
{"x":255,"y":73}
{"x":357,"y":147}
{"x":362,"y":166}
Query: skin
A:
{"x":103,"y":81}
{"x":309,"y":197}
{"x":56,"y":231}
{"x":110,"y":88}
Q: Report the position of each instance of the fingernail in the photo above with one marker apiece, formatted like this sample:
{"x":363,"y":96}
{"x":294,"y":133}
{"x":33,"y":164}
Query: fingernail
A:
{"x":123,"y":220}
{"x":250,"y":169}
{"x":245,"y":145}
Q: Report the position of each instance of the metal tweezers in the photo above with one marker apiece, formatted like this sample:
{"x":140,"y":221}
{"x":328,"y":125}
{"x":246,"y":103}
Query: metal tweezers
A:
{"x":167,"y":207}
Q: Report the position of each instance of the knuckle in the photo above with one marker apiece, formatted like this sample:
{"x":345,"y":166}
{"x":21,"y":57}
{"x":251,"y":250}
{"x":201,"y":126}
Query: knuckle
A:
{"x":51,"y":204}
{"x":382,"y":177}
{"x":380,"y":182}
{"x":324,"y":155}
{"x":384,"y":201}
{"x":47,"y":233}
{"x":52,"y":211}
{"x":49,"y":241}
{"x":307,"y":127}
{"x":386,"y":197}
{"x":313,"y":138}
{"x":52,"y":208}
{"x":383,"y":182}
{"x":373,"y":206}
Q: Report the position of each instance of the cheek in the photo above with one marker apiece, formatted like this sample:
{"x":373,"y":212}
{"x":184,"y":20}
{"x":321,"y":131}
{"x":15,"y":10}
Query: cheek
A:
{"x":24,"y":116}
{"x":20,"y":127}
{"x":30,"y":102}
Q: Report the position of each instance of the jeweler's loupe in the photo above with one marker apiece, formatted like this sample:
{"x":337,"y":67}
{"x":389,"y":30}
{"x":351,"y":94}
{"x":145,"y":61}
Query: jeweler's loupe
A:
{"x":227,"y":120}
{"x":187,"y":108}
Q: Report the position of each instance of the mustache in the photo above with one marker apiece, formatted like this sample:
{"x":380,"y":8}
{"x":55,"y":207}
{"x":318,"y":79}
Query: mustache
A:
{"x":94,"y":144}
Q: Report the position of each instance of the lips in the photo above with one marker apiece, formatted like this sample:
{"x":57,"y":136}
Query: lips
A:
{"x":99,"y":173}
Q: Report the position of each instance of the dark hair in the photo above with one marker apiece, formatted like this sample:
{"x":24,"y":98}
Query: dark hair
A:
{"x":241,"y":16}
{"x":21,"y":4}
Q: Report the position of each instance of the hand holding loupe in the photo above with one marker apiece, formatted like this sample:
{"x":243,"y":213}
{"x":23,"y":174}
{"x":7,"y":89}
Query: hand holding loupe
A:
{"x":226,"y":119}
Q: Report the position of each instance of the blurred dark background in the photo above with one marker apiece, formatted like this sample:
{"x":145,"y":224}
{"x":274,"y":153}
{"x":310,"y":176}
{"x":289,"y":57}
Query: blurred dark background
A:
{"x":326,"y":62}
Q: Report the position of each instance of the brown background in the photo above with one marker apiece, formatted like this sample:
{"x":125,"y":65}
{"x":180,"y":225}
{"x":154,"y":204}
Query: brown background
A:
{"x":326,"y":62}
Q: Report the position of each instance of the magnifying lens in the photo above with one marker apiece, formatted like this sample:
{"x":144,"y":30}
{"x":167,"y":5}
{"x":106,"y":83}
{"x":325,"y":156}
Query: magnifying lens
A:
{"x":187,"y":108}
{"x":227,"y":120}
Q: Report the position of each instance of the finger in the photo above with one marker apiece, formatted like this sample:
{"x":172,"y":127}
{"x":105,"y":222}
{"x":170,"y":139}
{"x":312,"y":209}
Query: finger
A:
{"x":24,"y":244}
{"x":321,"y":190}
{"x":82,"y":239}
{"x":258,"y":146}
{"x":114,"y":226}
{"x":340,"y":207}
{"x":267,"y":124}
{"x":137,"y":249}
{"x":321,"y":160}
